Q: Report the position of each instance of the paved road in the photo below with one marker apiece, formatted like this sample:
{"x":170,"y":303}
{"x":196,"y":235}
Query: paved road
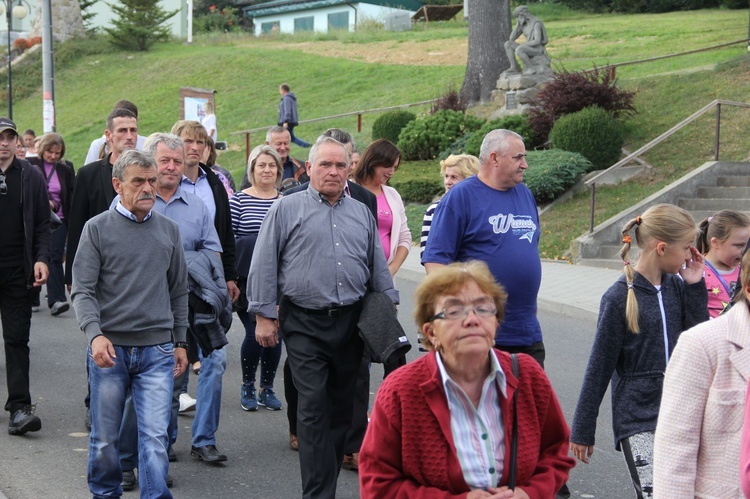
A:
{"x":52,"y":463}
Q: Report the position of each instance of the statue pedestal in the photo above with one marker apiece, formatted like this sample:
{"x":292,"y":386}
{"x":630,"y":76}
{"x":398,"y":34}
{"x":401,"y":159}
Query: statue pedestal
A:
{"x":516,"y":91}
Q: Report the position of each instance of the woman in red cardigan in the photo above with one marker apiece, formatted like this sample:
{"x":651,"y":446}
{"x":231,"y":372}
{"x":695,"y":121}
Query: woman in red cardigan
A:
{"x":442,"y":426}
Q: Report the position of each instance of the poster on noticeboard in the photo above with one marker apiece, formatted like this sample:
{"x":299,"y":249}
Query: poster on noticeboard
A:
{"x":193,"y":102}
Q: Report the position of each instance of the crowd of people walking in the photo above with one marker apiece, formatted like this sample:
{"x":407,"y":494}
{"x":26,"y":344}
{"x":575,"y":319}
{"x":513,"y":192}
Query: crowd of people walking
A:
{"x":305,"y":253}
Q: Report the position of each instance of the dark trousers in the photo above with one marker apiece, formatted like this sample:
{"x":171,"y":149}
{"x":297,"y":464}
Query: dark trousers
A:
{"x":536,"y":350}
{"x":357,"y":430}
{"x":324,"y":356}
{"x":15,"y":312}
{"x":56,"y":281}
{"x":295,"y":139}
{"x":252,"y":354}
{"x":291,"y":396}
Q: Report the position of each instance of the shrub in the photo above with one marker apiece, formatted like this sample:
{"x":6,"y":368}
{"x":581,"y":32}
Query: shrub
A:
{"x":458,"y":146}
{"x":221,"y":20}
{"x":551,"y":172}
{"x":425,"y":138}
{"x":571,"y":92}
{"x":451,"y":99}
{"x":518,"y":123}
{"x":420,"y":191}
{"x":389,"y":125}
{"x":592,"y":132}
{"x":21,"y":44}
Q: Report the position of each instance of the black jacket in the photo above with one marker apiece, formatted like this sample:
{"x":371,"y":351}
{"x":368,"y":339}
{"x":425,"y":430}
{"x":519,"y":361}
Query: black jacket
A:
{"x":93,"y":194}
{"x":36,"y":211}
{"x":223,"y":223}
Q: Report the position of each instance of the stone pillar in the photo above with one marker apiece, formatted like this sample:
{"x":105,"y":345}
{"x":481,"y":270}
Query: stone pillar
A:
{"x":66,"y":20}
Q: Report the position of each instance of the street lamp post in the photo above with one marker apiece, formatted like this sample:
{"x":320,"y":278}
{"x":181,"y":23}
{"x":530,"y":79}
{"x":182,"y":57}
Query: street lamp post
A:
{"x":19,"y":12}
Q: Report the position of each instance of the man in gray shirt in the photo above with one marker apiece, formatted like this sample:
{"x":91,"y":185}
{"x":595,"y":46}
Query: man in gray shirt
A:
{"x":316,"y":255}
{"x":130,"y":297}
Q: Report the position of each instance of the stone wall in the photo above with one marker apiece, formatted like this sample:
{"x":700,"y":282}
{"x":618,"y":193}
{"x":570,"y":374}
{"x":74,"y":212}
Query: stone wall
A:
{"x":66,"y":20}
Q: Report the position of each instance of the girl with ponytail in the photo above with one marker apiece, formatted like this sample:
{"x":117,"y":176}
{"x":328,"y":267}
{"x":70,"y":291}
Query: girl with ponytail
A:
{"x":640,"y":318}
{"x":722,"y":239}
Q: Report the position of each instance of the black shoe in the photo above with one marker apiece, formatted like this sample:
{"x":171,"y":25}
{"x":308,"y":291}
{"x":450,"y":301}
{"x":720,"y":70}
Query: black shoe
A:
{"x":170,"y":453}
{"x":88,"y":419}
{"x":128,"y":480}
{"x":208,"y":453}
{"x":23,"y":420}
{"x":170,"y":481}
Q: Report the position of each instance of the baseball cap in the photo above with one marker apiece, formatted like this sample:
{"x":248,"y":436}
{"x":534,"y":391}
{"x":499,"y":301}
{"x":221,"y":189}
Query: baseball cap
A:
{"x":7,"y":124}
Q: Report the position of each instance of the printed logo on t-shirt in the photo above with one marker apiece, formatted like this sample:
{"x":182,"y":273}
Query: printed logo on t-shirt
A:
{"x":522,"y":226}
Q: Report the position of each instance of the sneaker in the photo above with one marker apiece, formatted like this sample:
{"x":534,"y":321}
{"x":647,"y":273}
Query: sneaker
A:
{"x":35,"y":308}
{"x":59,"y":307}
{"x":128,"y":480}
{"x":248,"y":399}
{"x":23,"y":420}
{"x":268,"y":399}
{"x":187,"y":403}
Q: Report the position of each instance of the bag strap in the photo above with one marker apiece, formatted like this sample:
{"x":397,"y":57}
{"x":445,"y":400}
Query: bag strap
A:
{"x":514,"y":437}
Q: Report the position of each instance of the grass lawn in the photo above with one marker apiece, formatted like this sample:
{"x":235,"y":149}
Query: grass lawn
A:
{"x":342,"y":72}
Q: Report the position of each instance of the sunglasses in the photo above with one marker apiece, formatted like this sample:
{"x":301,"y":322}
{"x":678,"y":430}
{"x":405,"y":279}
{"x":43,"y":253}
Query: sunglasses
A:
{"x":3,"y":185}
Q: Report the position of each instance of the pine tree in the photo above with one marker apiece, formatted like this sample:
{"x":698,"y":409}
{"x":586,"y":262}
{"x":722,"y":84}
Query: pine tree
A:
{"x":87,"y":16}
{"x":139,"y":25}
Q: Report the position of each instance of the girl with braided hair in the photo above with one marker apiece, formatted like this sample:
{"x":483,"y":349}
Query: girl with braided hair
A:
{"x":640,"y":318}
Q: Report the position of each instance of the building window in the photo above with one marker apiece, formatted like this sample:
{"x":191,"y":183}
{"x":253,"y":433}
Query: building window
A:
{"x":272,"y":27}
{"x":338,"y":20}
{"x":303,"y":23}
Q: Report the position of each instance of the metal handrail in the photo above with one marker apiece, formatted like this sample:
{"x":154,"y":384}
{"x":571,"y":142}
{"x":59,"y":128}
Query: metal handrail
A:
{"x":613,"y":67}
{"x":661,"y":138}
{"x":358,"y":114}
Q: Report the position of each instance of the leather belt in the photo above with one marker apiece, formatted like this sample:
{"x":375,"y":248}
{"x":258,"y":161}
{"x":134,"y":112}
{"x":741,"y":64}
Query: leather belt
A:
{"x":330,"y":312}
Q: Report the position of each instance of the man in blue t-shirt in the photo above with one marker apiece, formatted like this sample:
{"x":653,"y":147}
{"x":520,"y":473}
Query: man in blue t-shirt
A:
{"x":493,"y":217}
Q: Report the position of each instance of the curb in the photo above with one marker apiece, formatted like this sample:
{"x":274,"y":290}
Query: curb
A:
{"x":567,"y":309}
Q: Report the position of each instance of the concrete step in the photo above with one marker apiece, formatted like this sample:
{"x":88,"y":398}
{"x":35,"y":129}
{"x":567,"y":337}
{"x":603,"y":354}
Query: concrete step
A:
{"x":610,"y":251}
{"x":714,"y":204}
{"x":733,"y":181}
{"x":724,"y":192}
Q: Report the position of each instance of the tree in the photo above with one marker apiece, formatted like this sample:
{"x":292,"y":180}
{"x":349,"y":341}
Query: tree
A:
{"x":86,"y":16}
{"x":140,"y":24}
{"x":489,"y":28}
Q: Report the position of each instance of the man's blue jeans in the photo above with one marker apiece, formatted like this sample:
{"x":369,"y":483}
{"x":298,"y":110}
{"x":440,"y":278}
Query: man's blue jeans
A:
{"x":208,"y":397}
{"x":148,"y":372}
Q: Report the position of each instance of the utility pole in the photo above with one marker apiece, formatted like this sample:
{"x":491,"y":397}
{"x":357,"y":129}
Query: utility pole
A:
{"x":48,"y":69}
{"x":190,"y":21}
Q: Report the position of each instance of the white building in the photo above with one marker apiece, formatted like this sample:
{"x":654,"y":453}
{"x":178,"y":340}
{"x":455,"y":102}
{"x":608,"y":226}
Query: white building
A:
{"x":291,"y":16}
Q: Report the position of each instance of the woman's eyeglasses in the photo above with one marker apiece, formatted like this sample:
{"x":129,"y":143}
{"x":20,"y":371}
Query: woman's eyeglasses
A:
{"x":457,"y":312}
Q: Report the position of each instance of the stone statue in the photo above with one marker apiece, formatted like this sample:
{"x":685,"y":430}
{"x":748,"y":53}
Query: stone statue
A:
{"x":532,"y":53}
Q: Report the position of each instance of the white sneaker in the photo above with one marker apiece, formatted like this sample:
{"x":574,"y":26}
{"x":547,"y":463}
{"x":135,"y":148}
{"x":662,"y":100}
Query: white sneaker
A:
{"x":59,"y":307}
{"x":187,"y":403}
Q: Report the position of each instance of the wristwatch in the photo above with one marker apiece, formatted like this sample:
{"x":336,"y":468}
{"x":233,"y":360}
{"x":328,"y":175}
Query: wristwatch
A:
{"x":180,"y":344}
